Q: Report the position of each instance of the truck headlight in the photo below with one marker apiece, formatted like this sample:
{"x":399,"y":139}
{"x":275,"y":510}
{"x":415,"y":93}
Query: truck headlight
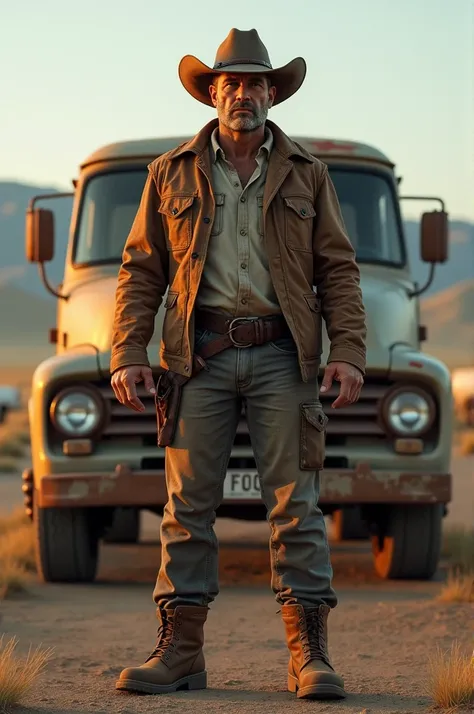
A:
{"x":77,"y":412}
{"x":409,"y":411}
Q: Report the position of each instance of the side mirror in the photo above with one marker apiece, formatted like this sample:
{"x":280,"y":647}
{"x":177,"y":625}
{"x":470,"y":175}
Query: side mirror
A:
{"x":434,"y":237}
{"x":39,"y":235}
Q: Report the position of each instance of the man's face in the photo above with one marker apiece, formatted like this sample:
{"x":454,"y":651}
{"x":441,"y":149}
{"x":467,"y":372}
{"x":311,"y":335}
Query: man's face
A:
{"x":242,"y":100}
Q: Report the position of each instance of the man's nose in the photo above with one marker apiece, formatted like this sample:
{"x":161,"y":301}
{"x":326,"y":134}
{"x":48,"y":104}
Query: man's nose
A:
{"x":243,"y":92}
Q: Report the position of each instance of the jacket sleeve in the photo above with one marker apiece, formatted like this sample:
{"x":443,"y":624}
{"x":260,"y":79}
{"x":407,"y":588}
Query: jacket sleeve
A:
{"x":142,"y":282}
{"x":337,"y":278}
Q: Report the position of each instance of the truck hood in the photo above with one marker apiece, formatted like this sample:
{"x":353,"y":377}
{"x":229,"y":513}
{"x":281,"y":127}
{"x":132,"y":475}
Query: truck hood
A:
{"x":391,"y":317}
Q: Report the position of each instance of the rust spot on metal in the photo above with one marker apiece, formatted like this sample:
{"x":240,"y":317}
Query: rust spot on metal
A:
{"x":77,"y":490}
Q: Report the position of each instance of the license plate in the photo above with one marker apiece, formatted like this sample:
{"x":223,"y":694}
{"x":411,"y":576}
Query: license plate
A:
{"x":241,"y":484}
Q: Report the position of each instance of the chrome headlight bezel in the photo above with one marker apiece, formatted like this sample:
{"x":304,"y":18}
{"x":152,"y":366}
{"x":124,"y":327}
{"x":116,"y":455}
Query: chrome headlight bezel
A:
{"x":392,"y":406}
{"x":90,"y":397}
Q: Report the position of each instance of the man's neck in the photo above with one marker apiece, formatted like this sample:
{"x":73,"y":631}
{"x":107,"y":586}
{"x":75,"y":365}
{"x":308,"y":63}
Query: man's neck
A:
{"x":240,"y":145}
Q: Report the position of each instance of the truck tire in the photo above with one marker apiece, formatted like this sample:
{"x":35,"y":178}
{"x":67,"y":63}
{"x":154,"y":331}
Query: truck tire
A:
{"x":408,"y":545}
{"x":125,"y":527}
{"x":66,"y":543}
{"x":347,"y":524}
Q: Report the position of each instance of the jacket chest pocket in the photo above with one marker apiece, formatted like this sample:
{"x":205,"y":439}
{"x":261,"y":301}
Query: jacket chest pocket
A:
{"x":179,"y":221}
{"x":299,"y":216}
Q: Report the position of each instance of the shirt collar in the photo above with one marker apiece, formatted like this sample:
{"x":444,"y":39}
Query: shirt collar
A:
{"x":217,"y":150}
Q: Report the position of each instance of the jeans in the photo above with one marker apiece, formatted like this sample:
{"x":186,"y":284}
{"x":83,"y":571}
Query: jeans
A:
{"x":267,"y":381}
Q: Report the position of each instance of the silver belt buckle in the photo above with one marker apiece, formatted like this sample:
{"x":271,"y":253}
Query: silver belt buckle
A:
{"x":233,"y":325}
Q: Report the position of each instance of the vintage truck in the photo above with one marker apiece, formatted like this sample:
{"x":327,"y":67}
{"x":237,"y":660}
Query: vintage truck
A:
{"x":96,"y":465}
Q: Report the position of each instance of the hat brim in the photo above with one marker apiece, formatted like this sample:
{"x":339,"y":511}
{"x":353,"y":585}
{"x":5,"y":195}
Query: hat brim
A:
{"x":196,"y":77}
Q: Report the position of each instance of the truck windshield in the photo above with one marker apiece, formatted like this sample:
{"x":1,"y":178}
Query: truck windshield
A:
{"x":366,"y":198}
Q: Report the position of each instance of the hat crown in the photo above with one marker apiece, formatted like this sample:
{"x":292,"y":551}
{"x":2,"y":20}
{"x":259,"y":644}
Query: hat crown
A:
{"x":242,"y":47}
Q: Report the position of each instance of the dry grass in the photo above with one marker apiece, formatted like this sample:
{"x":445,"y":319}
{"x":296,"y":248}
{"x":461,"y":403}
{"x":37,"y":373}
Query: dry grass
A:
{"x":451,"y":679}
{"x":19,"y":674}
{"x":17,"y":555}
{"x":458,"y":547}
{"x":458,"y":588}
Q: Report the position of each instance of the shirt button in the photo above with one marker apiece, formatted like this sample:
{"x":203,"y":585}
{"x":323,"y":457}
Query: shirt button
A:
{"x":242,"y":199}
{"x":194,"y":255}
{"x":243,"y":301}
{"x":236,"y":184}
{"x":207,"y":219}
{"x":243,"y":266}
{"x":243,"y":232}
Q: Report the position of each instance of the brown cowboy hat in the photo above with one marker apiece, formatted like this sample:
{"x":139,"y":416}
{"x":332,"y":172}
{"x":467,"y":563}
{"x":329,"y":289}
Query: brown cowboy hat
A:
{"x":241,"y":52}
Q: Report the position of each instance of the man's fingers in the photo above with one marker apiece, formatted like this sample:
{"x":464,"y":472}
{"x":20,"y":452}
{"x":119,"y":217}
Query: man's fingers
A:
{"x":148,"y":380}
{"x":344,"y":394}
{"x":327,"y":379}
{"x":132,"y":399}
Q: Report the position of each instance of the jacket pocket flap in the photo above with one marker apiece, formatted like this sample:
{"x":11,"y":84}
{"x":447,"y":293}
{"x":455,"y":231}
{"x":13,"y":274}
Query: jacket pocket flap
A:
{"x":301,"y":206}
{"x":313,"y":413}
{"x":313,"y":301}
{"x":174,"y":206}
{"x":170,"y":300}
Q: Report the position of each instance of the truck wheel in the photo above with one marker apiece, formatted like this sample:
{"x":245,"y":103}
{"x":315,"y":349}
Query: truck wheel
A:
{"x":67,"y":544}
{"x":409,"y":543}
{"x":125,"y":527}
{"x":347,"y":524}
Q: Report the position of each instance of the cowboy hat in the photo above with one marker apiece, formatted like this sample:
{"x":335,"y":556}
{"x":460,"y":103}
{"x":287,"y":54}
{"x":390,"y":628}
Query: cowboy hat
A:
{"x":241,"y":52}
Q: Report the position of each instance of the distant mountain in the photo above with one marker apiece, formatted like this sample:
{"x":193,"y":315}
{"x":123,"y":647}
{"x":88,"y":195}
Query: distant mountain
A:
{"x":449,"y":316}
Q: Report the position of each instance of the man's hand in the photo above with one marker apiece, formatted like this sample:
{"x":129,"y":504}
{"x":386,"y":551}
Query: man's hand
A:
{"x":351,"y":380}
{"x":123,"y":383}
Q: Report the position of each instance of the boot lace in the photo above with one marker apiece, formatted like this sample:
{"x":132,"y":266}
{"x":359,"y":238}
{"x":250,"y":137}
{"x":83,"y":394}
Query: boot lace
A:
{"x":315,"y":644}
{"x":165,"y":636}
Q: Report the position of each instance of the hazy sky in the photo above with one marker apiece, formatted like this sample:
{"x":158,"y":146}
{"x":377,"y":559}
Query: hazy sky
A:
{"x":399,"y":75}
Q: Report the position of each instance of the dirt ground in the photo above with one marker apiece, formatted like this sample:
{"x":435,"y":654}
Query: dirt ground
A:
{"x":381,"y":634}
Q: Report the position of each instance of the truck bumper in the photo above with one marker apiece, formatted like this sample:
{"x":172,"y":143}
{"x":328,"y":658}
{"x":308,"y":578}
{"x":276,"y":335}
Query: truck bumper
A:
{"x":125,"y":487}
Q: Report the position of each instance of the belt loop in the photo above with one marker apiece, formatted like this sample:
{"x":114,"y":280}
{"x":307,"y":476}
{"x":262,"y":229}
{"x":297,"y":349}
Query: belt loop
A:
{"x":259,"y":331}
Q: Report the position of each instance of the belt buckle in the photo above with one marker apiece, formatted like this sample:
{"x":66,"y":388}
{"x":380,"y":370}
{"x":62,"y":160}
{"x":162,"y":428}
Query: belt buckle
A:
{"x":233,"y":326}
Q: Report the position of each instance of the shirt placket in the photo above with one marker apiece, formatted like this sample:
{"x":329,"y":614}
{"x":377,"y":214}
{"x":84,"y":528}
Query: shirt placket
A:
{"x":243,"y":238}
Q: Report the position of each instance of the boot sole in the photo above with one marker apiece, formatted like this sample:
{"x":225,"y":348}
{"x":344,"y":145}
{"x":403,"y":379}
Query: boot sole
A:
{"x":316,"y":691}
{"x":193,"y":681}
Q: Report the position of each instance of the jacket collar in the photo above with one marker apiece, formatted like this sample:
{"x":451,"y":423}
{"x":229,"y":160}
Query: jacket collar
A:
{"x":282,"y":143}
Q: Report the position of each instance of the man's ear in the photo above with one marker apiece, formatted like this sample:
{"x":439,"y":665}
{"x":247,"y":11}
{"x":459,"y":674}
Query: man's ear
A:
{"x":213,"y":94}
{"x":272,"y":95}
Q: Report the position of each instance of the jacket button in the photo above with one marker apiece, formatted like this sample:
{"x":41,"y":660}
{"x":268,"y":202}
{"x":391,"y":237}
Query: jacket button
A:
{"x":194,"y":255}
{"x":174,"y":211}
{"x":186,"y":368}
{"x":303,"y":211}
{"x":207,"y":219}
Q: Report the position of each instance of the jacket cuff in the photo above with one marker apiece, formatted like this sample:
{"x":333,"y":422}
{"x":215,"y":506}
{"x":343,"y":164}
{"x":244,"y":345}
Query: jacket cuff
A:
{"x":128,"y":357}
{"x":346,"y":354}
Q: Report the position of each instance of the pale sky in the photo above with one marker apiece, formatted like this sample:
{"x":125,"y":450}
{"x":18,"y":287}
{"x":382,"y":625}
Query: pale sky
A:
{"x":399,"y":75}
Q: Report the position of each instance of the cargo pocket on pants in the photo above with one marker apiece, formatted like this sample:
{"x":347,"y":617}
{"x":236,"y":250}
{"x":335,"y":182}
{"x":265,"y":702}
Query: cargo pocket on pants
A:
{"x":312,"y":436}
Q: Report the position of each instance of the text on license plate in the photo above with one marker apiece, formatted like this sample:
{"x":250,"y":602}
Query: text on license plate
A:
{"x":241,"y":484}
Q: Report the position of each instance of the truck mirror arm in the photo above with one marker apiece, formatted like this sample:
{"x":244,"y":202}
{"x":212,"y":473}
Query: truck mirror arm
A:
{"x":47,"y":284}
{"x":418,"y":291}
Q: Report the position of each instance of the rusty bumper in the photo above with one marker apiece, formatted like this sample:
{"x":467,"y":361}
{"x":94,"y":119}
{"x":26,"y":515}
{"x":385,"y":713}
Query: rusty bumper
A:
{"x":124,"y":487}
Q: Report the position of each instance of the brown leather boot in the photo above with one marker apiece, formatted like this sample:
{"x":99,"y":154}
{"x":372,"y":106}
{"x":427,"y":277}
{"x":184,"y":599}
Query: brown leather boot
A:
{"x":177,"y":662}
{"x":310,"y":672}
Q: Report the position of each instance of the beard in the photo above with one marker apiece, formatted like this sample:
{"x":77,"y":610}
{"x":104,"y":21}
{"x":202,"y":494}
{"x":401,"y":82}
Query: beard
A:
{"x":242,"y":122}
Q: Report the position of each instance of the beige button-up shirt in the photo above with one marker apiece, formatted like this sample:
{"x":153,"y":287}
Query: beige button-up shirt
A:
{"x":236,"y":278}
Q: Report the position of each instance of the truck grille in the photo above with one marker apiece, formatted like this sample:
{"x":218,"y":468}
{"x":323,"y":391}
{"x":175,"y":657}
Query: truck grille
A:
{"x":358,"y":423}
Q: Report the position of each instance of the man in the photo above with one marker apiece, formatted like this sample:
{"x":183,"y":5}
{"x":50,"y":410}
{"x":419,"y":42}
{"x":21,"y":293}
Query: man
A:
{"x":240,"y":224}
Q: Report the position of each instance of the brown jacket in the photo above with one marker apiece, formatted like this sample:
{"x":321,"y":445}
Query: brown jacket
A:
{"x":306,"y":242}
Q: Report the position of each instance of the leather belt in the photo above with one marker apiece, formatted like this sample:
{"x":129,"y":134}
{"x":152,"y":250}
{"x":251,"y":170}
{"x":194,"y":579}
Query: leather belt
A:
{"x":241,"y":332}
{"x":244,"y":331}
